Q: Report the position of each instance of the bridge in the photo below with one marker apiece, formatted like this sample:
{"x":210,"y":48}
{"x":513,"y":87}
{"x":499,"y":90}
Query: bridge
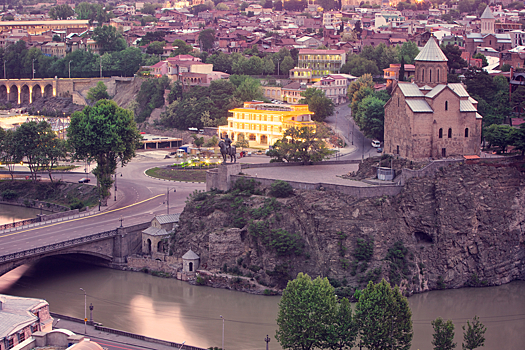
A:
{"x":21,"y":91}
{"x":108,"y":248}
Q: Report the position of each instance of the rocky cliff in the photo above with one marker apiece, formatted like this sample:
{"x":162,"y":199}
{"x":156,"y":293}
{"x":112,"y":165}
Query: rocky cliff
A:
{"x":464,"y":226}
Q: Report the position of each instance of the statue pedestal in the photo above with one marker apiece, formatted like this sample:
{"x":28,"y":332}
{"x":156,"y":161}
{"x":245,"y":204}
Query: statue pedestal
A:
{"x":220,"y":178}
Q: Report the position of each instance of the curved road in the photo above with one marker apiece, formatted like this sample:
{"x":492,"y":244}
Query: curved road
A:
{"x":139,"y":199}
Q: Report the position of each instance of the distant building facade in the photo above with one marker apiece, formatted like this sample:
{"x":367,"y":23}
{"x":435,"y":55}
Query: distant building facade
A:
{"x":321,"y":62}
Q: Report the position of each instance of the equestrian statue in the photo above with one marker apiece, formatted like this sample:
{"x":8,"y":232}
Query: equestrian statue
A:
{"x":228,"y":150}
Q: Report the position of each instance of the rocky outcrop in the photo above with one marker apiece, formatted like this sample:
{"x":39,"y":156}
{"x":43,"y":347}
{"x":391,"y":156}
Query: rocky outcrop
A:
{"x":464,"y":226}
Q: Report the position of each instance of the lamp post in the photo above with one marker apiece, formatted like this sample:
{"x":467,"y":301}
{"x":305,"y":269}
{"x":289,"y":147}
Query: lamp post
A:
{"x":181,"y":345}
{"x":33,"y":68}
{"x":222,"y":332}
{"x":353,"y":133}
{"x":168,"y":200}
{"x":4,"y":69}
{"x":267,"y":340}
{"x":69,"y":64}
{"x":116,"y":185}
{"x":85,"y":310}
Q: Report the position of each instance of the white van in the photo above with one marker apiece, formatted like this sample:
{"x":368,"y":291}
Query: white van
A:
{"x":376,"y":143}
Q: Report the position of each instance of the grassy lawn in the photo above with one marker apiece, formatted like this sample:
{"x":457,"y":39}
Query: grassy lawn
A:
{"x":178,"y":175}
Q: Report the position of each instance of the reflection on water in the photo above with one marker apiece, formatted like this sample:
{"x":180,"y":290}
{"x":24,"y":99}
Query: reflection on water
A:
{"x":176,"y":311}
{"x":12,"y":213}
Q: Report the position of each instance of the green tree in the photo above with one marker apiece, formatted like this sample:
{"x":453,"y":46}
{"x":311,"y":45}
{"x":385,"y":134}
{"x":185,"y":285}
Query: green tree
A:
{"x":301,"y":144}
{"x":287,"y":64}
{"x":370,"y":117}
{"x":483,"y":59}
{"x":248,"y":90}
{"x":206,"y":39}
{"x":443,"y":337}
{"x":98,"y":92}
{"x":198,"y":141}
{"x":499,"y":135}
{"x":358,"y":66}
{"x":342,"y":332}
{"x":517,"y":138}
{"x":384,"y":318}
{"x":156,"y":48}
{"x":109,"y":39}
{"x":92,"y":12}
{"x":54,"y":151}
{"x":453,"y":54}
{"x":517,"y":100}
{"x":408,"y":51}
{"x":150,"y":8}
{"x":473,"y":335}
{"x":318,"y":103}
{"x":29,"y":141}
{"x":182,"y":48}
{"x":61,"y":12}
{"x":107,"y":134}
{"x":8,"y":155}
{"x":305,"y":310}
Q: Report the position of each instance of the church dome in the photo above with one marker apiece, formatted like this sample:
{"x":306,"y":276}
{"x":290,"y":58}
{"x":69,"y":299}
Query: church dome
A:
{"x":431,"y":52}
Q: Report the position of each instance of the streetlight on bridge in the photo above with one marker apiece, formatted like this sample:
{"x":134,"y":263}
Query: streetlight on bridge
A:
{"x":69,"y":64}
{"x":116,"y":185}
{"x":168,"y":200}
{"x":85,"y":310}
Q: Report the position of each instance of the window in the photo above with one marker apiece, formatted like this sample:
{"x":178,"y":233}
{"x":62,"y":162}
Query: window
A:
{"x":397,"y":151}
{"x":441,"y":133}
{"x":446,"y":105}
{"x":443,"y":152}
{"x":398,"y":101}
{"x":466,"y":132}
{"x":430,"y":75}
{"x":423,"y":75}
{"x":252,"y":137}
{"x":438,"y":76}
{"x":449,"y":133}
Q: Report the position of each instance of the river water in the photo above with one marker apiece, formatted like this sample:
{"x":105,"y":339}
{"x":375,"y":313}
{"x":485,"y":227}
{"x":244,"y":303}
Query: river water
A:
{"x":11,"y":213}
{"x":177,"y":311}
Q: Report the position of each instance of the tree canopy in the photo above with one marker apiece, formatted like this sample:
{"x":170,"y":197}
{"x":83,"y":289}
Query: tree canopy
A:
{"x":98,"y":92}
{"x":206,"y":39}
{"x":443,"y":336}
{"x":109,"y":39}
{"x":61,"y":12}
{"x":107,"y":134}
{"x":318,"y":103}
{"x":303,"y":144}
{"x":473,"y":334}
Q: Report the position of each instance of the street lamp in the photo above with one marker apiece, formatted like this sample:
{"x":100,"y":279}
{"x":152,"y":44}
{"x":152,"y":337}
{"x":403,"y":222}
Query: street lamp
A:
{"x":69,"y":69}
{"x":116,"y":185}
{"x":267,"y":340}
{"x":168,"y":200}
{"x":222,"y":332}
{"x":182,"y":344}
{"x":33,"y":68}
{"x":85,"y":310}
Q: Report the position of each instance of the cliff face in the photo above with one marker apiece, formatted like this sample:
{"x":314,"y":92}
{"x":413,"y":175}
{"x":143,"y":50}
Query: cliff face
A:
{"x":463,"y":226}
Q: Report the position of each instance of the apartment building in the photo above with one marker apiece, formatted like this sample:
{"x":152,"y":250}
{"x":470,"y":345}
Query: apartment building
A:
{"x":322,"y":62}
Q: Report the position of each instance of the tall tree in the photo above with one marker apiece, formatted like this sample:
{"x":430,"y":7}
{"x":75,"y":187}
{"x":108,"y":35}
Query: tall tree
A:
{"x":384,"y":318}
{"x":517,"y":137}
{"x":109,"y":39}
{"x":499,"y":135}
{"x":286,"y":64}
{"x":182,"y":48}
{"x":342,"y":332}
{"x":408,"y":51}
{"x":305,"y":310}
{"x":517,"y":100}
{"x":300,"y":144}
{"x":318,"y":103}
{"x":107,"y":134}
{"x":207,"y":38}
{"x":61,"y":12}
{"x":453,"y":54}
{"x":443,"y":337}
{"x":98,"y":92}
{"x":473,"y":335}
{"x":8,"y":155}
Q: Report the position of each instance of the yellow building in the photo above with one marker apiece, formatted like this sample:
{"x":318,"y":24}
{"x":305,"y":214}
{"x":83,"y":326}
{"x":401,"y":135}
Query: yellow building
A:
{"x":39,"y":27}
{"x":262,"y":124}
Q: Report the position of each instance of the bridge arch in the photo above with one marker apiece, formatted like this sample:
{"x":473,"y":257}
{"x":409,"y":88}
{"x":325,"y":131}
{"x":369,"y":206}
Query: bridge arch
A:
{"x":3,"y":92}
{"x":37,"y":92}
{"x":25,"y":94}
{"x":13,"y":94}
{"x":48,"y":91}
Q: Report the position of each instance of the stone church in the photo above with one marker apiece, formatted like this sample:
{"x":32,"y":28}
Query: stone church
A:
{"x":430,"y":118}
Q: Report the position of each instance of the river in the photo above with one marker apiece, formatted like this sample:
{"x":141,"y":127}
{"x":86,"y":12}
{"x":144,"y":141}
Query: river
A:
{"x":11,"y":213}
{"x":177,"y":311}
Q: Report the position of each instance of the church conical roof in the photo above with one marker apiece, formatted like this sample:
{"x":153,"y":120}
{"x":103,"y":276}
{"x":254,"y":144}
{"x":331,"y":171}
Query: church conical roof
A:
{"x":487,"y":14}
{"x":431,"y":52}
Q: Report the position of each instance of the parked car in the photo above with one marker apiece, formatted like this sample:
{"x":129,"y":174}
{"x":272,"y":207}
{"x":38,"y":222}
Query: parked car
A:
{"x":379,"y":150}
{"x":376,"y":143}
{"x":83,"y":180}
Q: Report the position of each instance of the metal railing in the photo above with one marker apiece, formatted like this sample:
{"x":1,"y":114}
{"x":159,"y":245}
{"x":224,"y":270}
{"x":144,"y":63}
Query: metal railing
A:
{"x":14,"y":226}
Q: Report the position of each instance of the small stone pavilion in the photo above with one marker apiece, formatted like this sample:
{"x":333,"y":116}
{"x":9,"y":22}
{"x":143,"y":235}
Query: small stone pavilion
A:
{"x":153,"y":236}
{"x":190,"y":261}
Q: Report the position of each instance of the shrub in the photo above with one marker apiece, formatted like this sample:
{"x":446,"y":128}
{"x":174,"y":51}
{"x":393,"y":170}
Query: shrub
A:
{"x":244,"y":186}
{"x":364,"y":249}
{"x":76,"y":204}
{"x":201,"y":281}
{"x":281,"y":189}
{"x":9,"y":194}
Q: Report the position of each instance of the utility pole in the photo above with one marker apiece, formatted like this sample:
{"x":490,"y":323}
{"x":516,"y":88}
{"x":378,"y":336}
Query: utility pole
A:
{"x":33,"y":68}
{"x":69,"y":69}
{"x":100,"y":61}
{"x":267,"y":340}
{"x":222,"y":333}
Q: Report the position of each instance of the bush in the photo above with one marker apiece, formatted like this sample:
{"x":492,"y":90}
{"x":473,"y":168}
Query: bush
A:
{"x":9,"y":194}
{"x":76,"y":204}
{"x":281,"y":189}
{"x":246,"y":186}
{"x":201,"y":281}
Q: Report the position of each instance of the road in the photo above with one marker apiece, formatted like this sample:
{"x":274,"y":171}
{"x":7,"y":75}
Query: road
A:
{"x":343,"y":123}
{"x":139,"y":199}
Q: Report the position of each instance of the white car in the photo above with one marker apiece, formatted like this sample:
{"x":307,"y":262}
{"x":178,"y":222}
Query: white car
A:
{"x":376,"y":144}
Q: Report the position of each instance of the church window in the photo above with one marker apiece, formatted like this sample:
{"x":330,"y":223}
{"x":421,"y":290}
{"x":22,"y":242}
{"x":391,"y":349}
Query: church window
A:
{"x":398,"y":101}
{"x":446,"y":105}
{"x":397,"y":151}
{"x":466,"y":132}
{"x":430,"y":75}
{"x":438,"y":76}
{"x":423,"y":75}
{"x":441,"y":133}
{"x":443,"y":152}
{"x":449,"y":133}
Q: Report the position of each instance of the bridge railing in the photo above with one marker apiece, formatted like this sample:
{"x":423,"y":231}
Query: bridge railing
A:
{"x":48,"y":219}
{"x":57,"y":246}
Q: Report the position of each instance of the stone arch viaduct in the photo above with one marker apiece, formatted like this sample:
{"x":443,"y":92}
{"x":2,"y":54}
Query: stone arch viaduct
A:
{"x":22,"y":91}
{"x":109,"y":248}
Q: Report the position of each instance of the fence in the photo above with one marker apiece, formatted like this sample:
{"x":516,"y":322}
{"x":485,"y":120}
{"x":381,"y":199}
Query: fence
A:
{"x":44,"y":219}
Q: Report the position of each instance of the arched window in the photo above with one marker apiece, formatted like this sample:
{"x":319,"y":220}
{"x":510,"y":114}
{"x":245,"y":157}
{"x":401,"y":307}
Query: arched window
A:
{"x":446,"y":105}
{"x":438,"y":76}
{"x":398,"y":101}
{"x":466,"y":132}
{"x":441,"y":133}
{"x":430,"y":75}
{"x":422,"y":75}
{"x":449,"y":133}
